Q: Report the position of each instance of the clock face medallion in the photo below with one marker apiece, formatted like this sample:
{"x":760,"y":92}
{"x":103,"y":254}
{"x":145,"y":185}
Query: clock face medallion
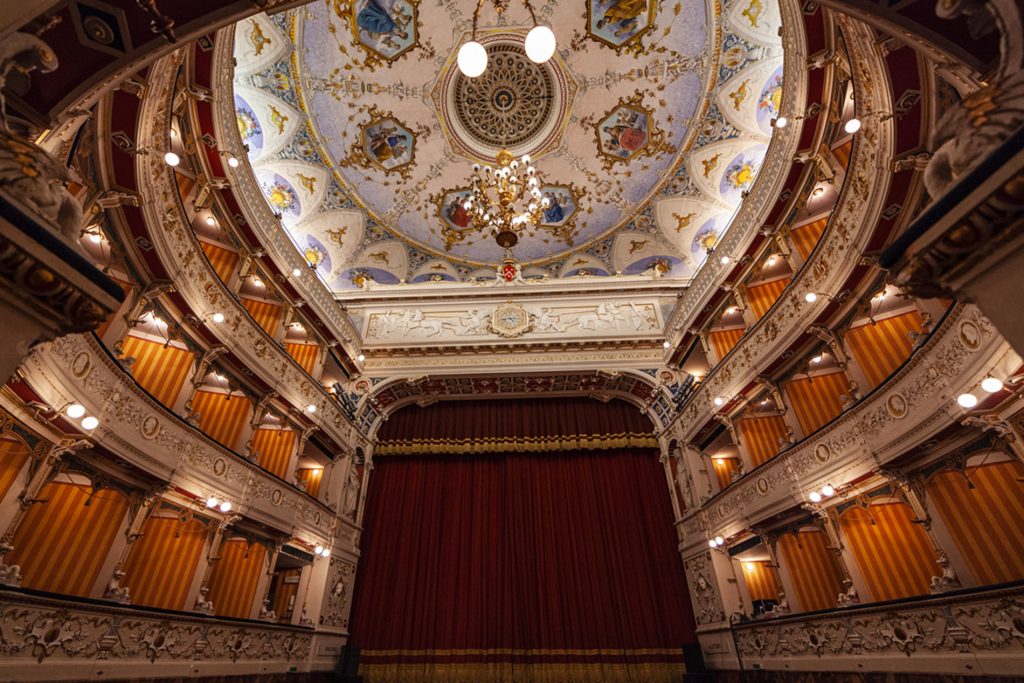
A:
{"x":510,"y":320}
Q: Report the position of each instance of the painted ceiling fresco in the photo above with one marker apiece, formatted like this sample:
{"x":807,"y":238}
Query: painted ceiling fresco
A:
{"x":647,"y":128}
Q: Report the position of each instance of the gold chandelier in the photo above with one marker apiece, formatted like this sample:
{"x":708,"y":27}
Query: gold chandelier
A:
{"x":505,"y":200}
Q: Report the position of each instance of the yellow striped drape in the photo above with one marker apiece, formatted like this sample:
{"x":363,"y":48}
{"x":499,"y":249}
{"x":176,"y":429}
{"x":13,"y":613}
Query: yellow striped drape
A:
{"x":815,"y":400}
{"x":761,"y":297}
{"x":761,"y":581}
{"x":842,"y":153}
{"x":284,"y":592}
{"x":806,"y":237}
{"x":275,"y":447}
{"x":160,"y":371}
{"x":235,"y":576}
{"x":223,"y":260}
{"x":62,"y":544}
{"x":221,"y":418}
{"x":14,"y":453}
{"x":881,"y":348}
{"x":813,"y":568}
{"x":304,"y":354}
{"x":895,"y":556}
{"x":266,"y":315}
{"x":761,"y":437}
{"x":722,"y":341}
{"x":162,"y":564}
{"x":724,"y":468}
{"x":311,"y":478}
{"x":987,"y":521}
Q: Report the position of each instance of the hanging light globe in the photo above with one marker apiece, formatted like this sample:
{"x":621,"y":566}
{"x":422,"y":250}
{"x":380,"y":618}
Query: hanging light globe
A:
{"x":540,"y":44}
{"x":472,"y":59}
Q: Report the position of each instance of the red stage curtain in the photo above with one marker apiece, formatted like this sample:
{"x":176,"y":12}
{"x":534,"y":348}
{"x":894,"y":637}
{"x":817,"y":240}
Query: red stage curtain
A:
{"x":515,"y":426}
{"x":521,"y":567}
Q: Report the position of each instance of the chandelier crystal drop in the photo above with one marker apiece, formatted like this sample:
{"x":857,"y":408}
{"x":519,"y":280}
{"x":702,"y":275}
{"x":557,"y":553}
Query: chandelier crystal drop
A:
{"x":505,"y":200}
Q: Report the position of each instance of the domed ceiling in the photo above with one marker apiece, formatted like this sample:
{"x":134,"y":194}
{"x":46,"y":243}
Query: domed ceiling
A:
{"x":646,"y":127}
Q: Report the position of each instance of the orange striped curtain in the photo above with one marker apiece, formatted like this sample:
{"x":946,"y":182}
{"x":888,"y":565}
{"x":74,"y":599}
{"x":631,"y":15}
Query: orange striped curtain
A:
{"x":986,"y":521}
{"x":267,"y":316}
{"x":761,"y":581}
{"x":761,"y":297}
{"x":14,"y":453}
{"x":813,"y":569}
{"x":62,"y":544}
{"x":311,"y":478}
{"x":162,"y":564}
{"x":881,"y":348}
{"x":275,"y":447}
{"x":894,"y":555}
{"x":722,"y":341}
{"x":724,"y":468}
{"x":221,"y":418}
{"x":842,"y":153}
{"x":160,"y":371}
{"x":284,"y":591}
{"x":761,"y":437}
{"x":815,"y":400}
{"x":806,"y":237}
{"x":235,"y":577}
{"x":223,"y":260}
{"x":304,"y":354}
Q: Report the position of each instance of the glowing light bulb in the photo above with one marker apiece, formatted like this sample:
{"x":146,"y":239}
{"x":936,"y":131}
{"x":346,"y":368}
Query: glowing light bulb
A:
{"x":725,"y":260}
{"x":667,"y":344}
{"x":828,"y":490}
{"x":719,"y":401}
{"x":311,"y":408}
{"x":781,"y":122}
{"x":712,"y":544}
{"x":815,"y":497}
{"x":211,"y":221}
{"x":95,"y":237}
{"x":771,"y":260}
{"x":540,"y":44}
{"x":749,"y":566}
{"x":719,"y":540}
{"x":992,"y":384}
{"x":361,"y":357}
{"x":296,"y":272}
{"x":232,"y":162}
{"x":90,"y":423}
{"x":472,"y":59}
{"x":172,"y":159}
{"x":810,"y":297}
{"x":325,"y":553}
{"x":816,"y":359}
{"x":967,"y":400}
{"x":852,"y":126}
{"x":317,"y":550}
{"x":225,"y":506}
{"x":218,"y":317}
{"x":75,"y":411}
{"x":212,"y":502}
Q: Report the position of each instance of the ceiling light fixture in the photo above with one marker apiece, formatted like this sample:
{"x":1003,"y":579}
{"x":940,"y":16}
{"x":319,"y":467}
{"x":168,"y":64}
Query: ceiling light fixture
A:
{"x":311,"y":408}
{"x":992,"y":384}
{"x":505,"y":200}
{"x":225,"y":506}
{"x":75,"y":411}
{"x":852,"y":126}
{"x":212,"y":502}
{"x":815,"y":497}
{"x":967,"y":400}
{"x":232,"y":162}
{"x":719,"y":401}
{"x":771,"y":260}
{"x":361,"y":357}
{"x":172,"y":159}
{"x":725,"y":260}
{"x":810,"y":297}
{"x":540,"y":42}
{"x":218,"y":317}
{"x":95,"y":237}
{"x":828,"y":490}
{"x":666,"y":344}
{"x":296,"y":272}
{"x":780,"y":122}
{"x":90,"y":423}
{"x":211,"y":221}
